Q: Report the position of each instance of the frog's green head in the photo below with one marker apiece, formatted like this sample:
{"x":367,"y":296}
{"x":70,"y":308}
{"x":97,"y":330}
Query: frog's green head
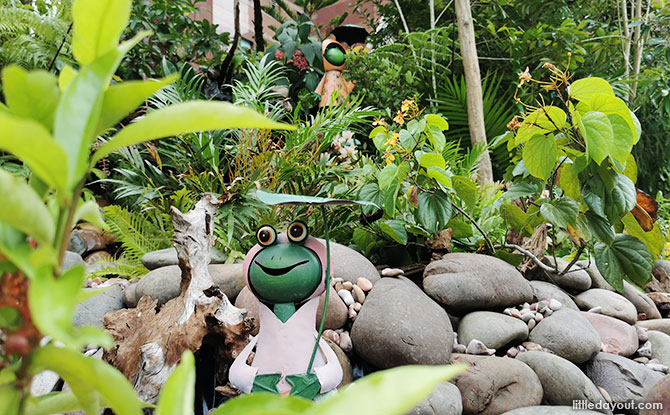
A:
{"x":285,"y":268}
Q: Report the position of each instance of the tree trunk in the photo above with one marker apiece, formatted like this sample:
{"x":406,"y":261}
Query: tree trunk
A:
{"x":258,"y":26}
{"x":473,"y":82}
{"x":148,"y":343}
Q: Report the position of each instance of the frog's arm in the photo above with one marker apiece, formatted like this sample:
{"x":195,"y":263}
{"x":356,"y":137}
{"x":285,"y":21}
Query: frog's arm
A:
{"x":241,"y":375}
{"x":329,"y":375}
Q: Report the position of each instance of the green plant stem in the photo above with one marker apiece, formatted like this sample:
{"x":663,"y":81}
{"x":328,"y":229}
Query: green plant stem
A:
{"x":325,"y":304}
{"x":489,"y":244}
{"x":66,"y":229}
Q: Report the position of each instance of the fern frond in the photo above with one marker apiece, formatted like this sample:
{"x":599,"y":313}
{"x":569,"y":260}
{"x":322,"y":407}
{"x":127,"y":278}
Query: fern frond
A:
{"x":138,"y":235}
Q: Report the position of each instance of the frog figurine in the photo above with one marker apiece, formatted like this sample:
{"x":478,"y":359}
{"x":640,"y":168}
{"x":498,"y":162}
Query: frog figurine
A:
{"x":287,"y":274}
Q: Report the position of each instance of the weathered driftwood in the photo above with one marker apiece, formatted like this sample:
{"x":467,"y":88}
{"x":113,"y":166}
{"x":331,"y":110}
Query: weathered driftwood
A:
{"x":148,"y":342}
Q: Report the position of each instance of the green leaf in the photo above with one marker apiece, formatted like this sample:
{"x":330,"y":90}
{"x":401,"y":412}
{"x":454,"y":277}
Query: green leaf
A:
{"x":466,"y":190}
{"x":264,"y":404}
{"x":407,"y":140}
{"x":79,"y":111}
{"x":583,"y":89}
{"x":390,"y":198}
{"x":440,"y":175}
{"x":24,"y":210}
{"x":432,"y":160}
{"x":560,"y":212}
{"x":436,"y":120}
{"x":539,"y":156}
{"x":460,"y":228}
{"x":396,"y":230}
{"x":521,"y":189}
{"x":623,"y":138}
{"x":610,"y":105}
{"x":90,"y":212}
{"x":52,"y":303}
{"x":89,"y":379}
{"x":627,"y":257}
{"x":653,"y":239}
{"x":638,"y":127}
{"x":187,"y":117}
{"x":511,"y":258}
{"x":621,"y":199}
{"x":516,"y":217}
{"x":436,"y":137}
{"x":598,"y":135}
{"x":98,"y":25}
{"x":600,"y":228}
{"x":387,"y":176}
{"x":10,"y":399}
{"x":631,"y":168}
{"x":178,"y":395}
{"x":122,"y":98}
{"x":434,"y":210}
{"x":388,"y":392}
{"x":370,"y":193}
{"x":32,"y":94}
{"x":65,"y":76}
{"x":53,"y":403}
{"x":10,"y":318}
{"x":540,"y":122}
{"x":364,"y":240}
{"x":22,"y":137}
{"x":569,"y":181}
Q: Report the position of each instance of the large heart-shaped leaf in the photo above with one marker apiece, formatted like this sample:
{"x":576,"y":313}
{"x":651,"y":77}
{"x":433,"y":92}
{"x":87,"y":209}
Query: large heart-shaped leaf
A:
{"x":434,"y":210}
{"x":623,"y":138}
{"x":560,"y":212}
{"x":539,"y":156}
{"x":627,"y":257}
{"x":395,"y":229}
{"x":652,"y":239}
{"x":598,"y":134}
{"x":585,"y":88}
{"x":621,"y":199}
{"x":387,"y":176}
{"x":466,"y":190}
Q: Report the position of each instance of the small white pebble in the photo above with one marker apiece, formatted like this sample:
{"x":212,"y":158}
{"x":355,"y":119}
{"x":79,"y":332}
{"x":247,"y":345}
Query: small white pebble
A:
{"x":392,"y":272}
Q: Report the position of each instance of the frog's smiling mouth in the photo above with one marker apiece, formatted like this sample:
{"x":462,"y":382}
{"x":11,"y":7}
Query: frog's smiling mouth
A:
{"x":275,"y":272}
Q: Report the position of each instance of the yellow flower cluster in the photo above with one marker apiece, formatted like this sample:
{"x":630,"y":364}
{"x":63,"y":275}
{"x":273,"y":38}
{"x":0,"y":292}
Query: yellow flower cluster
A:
{"x":408,"y":111}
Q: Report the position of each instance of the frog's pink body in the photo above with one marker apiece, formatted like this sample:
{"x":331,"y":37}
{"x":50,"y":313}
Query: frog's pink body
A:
{"x":286,"y":348}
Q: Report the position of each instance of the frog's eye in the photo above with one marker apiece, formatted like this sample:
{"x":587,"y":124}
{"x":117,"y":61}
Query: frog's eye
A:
{"x":298,"y":232}
{"x":266,"y":235}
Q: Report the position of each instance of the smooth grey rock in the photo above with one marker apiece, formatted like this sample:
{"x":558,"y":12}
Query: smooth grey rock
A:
{"x":168,"y":256}
{"x":71,"y":259}
{"x":547,"y":291}
{"x":493,"y":385}
{"x":575,"y":279}
{"x":567,"y":334}
{"x":659,"y":394}
{"x":623,"y":379}
{"x":400,"y":325}
{"x":91,"y":312}
{"x":494,"y":329}
{"x":464,"y":282}
{"x":562,"y":381}
{"x":642,"y":303}
{"x":660,"y":346}
{"x":661,"y":324}
{"x":44,"y":382}
{"x":76,"y":244}
{"x":550,"y":410}
{"x":350,"y":265}
{"x":613,"y":304}
{"x":445,"y":400}
{"x":162,"y":284}
{"x":597,"y":279}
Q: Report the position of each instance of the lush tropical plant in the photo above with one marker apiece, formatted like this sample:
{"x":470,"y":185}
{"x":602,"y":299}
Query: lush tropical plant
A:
{"x":576,"y":172}
{"x":301,"y":55}
{"x":61,"y":116}
{"x":35,"y":35}
{"x":178,"y":37}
